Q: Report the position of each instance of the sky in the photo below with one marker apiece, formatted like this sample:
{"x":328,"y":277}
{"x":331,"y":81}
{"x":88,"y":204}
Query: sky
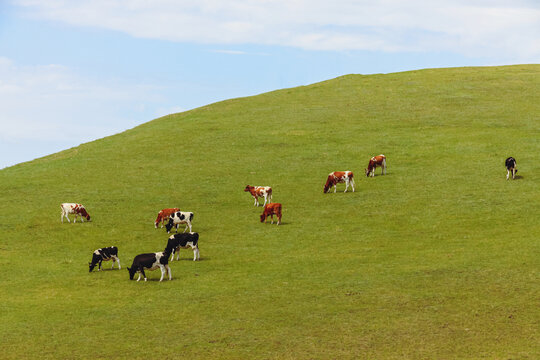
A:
{"x":72,"y":71}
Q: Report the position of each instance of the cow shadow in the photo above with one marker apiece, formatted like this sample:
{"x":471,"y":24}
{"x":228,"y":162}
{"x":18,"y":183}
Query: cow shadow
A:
{"x":274,"y":224}
{"x":189,"y":259}
{"x":518,"y":177}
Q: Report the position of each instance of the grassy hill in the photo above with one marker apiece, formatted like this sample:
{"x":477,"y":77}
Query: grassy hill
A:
{"x":439,"y":259}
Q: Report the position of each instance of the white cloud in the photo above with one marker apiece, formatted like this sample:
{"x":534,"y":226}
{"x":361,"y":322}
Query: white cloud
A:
{"x":53,"y":102}
{"x":503,"y":29}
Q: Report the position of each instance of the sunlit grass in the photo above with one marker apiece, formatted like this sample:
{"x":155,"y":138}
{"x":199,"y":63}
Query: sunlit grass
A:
{"x":437,"y":259}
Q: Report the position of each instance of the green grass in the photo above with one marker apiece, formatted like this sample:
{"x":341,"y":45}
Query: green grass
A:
{"x":437,"y":260}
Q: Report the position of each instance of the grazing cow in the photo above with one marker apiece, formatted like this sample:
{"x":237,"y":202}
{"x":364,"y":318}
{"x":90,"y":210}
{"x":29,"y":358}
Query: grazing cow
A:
{"x":260,"y":192}
{"x":164,"y":215}
{"x":337,"y":177}
{"x":510,"y":167}
{"x":379,"y":160}
{"x":104,"y":254}
{"x":184,"y":241}
{"x":72,"y":208}
{"x":271,"y":210}
{"x":151,"y":261}
{"x":179,"y":217}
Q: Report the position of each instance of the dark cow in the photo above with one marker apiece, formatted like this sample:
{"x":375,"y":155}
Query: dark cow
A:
{"x":151,"y":261}
{"x":179,"y":217}
{"x":104,"y":254}
{"x":184,"y":241}
{"x":510,"y":167}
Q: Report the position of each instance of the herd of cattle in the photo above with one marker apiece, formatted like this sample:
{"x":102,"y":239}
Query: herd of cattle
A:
{"x":172,"y":217}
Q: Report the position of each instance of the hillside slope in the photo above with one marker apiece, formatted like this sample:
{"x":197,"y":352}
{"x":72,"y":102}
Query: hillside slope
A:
{"x":437,"y":259}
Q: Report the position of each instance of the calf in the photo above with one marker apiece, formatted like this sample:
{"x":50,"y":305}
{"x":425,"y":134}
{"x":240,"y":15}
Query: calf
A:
{"x":151,"y":261}
{"x":73,"y":208}
{"x":510,"y":167}
{"x":179,"y":217}
{"x":104,"y":254}
{"x":184,"y":241}
{"x":379,"y":160}
{"x":260,"y":192}
{"x":271,"y":210}
{"x":337,"y":177}
{"x":164,"y":215}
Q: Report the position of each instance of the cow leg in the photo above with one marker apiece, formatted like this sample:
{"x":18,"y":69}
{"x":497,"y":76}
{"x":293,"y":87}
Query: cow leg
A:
{"x":139,"y":278}
{"x":99,"y":264}
{"x":142,"y":272}
{"x":162,"y":268}
{"x":383,"y":167}
{"x":513,"y":173}
{"x":335,"y":188}
{"x":507,"y":174}
{"x":195,"y":253}
{"x":346,"y":185}
{"x":272,"y":217}
{"x":279,"y":219}
{"x":118,"y":261}
{"x":352,"y":184}
{"x":168,"y":271}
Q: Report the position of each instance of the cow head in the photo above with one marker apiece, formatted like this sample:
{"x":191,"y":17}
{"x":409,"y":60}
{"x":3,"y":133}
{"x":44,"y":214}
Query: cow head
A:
{"x":367,"y":172}
{"x":91,"y":266}
{"x":263,"y":217}
{"x":328,"y":185}
{"x":248,"y":188}
{"x":132,"y":272}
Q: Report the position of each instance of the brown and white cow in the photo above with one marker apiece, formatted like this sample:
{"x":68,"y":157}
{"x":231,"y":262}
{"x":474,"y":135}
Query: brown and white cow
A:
{"x":164,"y":215}
{"x":73,"y":208}
{"x":260,"y":192}
{"x":379,"y":160}
{"x":337,"y":177}
{"x":272,"y":209}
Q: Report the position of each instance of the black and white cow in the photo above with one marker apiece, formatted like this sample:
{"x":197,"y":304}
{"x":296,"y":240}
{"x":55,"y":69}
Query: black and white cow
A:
{"x":510,"y":167}
{"x":184,"y":241}
{"x":104,"y":254}
{"x":150,"y":261}
{"x":180,"y":217}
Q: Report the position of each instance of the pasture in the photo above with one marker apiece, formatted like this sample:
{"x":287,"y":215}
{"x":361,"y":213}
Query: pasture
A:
{"x":438,"y":259}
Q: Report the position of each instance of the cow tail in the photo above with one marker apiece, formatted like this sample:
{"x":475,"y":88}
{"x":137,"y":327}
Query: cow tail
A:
{"x":191,"y":217}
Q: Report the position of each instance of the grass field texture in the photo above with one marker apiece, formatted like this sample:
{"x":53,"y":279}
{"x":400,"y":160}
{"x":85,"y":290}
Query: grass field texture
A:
{"x":439,"y":259}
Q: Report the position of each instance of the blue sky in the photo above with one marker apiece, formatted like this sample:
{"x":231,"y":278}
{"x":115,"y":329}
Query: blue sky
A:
{"x":74,"y":71}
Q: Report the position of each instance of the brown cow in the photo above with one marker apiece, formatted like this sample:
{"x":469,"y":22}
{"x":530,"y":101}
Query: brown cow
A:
{"x":164,"y":215}
{"x":271,"y":210}
{"x":337,"y":177}
{"x":260,"y":191}
{"x":379,"y":160}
